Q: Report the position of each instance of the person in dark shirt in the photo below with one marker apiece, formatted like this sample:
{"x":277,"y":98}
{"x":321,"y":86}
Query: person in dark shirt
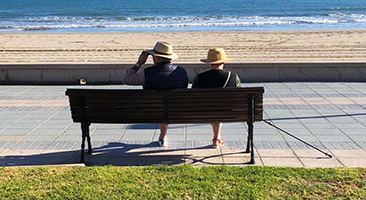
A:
{"x":162,"y":75}
{"x":216,"y":77}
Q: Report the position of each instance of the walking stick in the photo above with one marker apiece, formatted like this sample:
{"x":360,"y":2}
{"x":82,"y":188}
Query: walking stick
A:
{"x":314,"y":147}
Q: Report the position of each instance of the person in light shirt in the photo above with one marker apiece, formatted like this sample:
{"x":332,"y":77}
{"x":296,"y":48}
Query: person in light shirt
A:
{"x":162,"y":75}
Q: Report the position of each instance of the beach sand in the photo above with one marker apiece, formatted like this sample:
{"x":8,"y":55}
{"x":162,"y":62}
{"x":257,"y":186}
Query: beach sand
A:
{"x":244,"y":47}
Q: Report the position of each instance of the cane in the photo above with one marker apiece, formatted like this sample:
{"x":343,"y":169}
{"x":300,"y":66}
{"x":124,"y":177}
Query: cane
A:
{"x":269,"y":123}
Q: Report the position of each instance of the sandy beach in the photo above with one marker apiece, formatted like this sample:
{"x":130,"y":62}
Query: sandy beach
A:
{"x":244,"y":47}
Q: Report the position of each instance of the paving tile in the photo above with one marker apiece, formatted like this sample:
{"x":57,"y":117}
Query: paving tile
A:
{"x":202,"y":152}
{"x":325,"y":131}
{"x":203,"y":161}
{"x":133,"y":137}
{"x":311,"y":153}
{"x":350,"y":125}
{"x":106,"y":137}
{"x":47,"y":131}
{"x":282,"y":162}
{"x":16,"y":131}
{"x":199,"y":137}
{"x":72,"y":138}
{"x":332,"y":137}
{"x":276,"y":153}
{"x":138,"y":161}
{"x":230,"y":152}
{"x":349,"y":153}
{"x":352,"y":162}
{"x":201,"y":131}
{"x":166,"y":152}
{"x":39,"y":137}
{"x":54,"y":125}
{"x":353,"y":131}
{"x":175,"y":131}
{"x":358,"y":137}
{"x":241,"y":161}
{"x":171,"y":137}
{"x":271,"y":137}
{"x":305,"y":137}
{"x":199,"y":126}
{"x":272,"y":131}
{"x":166,"y":160}
{"x":11,"y":137}
{"x":320,"y":126}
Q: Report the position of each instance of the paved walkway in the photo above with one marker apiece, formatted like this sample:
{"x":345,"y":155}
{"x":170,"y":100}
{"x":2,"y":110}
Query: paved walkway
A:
{"x":36,"y":129}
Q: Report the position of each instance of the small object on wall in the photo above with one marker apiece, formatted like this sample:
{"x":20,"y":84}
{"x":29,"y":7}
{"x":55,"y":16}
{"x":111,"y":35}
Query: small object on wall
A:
{"x":82,"y":81}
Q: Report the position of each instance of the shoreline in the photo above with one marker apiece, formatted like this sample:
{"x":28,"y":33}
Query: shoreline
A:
{"x":243,"y":46}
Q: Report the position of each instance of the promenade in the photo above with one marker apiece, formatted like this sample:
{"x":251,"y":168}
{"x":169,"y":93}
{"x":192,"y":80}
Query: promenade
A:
{"x":36,"y":129}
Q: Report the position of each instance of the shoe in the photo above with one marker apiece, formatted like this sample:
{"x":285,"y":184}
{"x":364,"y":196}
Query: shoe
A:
{"x":218,"y":143}
{"x":163,"y":142}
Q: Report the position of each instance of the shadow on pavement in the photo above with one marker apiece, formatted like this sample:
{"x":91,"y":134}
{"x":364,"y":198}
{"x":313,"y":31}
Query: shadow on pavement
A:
{"x":117,"y":154}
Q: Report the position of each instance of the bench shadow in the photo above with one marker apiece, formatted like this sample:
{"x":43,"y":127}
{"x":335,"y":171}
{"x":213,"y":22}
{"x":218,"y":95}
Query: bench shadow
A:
{"x":114,"y":153}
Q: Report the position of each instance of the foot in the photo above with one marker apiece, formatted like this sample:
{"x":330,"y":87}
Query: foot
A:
{"x":163,"y":142}
{"x":217,"y":143}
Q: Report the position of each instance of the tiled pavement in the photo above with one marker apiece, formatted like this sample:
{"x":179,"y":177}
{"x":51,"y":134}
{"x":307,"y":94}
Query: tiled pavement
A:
{"x":36,"y":129}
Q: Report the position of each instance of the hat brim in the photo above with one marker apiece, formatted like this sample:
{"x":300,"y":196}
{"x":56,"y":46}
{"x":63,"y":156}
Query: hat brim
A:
{"x":216,"y":61}
{"x":173,"y":56}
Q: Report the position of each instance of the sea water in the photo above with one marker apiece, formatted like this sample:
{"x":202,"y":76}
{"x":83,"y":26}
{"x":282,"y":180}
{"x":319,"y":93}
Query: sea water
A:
{"x":180,"y":15}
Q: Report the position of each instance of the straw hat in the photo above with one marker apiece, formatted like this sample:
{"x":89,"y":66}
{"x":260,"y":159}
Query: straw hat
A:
{"x":163,"y":49}
{"x":216,"y":56}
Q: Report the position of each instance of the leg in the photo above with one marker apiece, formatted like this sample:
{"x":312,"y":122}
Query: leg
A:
{"x":163,"y":130}
{"x":217,"y":141}
{"x":163,"y":140}
{"x":216,"y":127}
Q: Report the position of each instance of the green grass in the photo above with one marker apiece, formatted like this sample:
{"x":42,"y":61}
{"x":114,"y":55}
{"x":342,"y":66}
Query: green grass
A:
{"x":182,"y":182}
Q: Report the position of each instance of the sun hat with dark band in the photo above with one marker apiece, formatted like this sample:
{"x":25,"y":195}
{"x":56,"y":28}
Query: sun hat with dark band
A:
{"x":216,"y":56}
{"x":163,"y":49}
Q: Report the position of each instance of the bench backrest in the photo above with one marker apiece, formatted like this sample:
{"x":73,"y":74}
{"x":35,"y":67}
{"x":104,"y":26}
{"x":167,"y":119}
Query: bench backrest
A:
{"x":178,"y":106}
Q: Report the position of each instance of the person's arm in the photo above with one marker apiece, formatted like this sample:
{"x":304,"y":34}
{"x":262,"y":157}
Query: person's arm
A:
{"x":238,"y":82}
{"x":132,"y":76}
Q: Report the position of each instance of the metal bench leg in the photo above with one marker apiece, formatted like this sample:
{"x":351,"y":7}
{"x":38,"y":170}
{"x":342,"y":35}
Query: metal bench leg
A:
{"x":248,"y":143}
{"x":85,"y":135}
{"x":251,"y":120}
{"x":82,"y":149}
{"x":90,"y":150}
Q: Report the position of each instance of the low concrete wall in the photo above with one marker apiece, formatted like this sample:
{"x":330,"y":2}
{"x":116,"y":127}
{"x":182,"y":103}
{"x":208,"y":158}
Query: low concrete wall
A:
{"x":248,"y":72}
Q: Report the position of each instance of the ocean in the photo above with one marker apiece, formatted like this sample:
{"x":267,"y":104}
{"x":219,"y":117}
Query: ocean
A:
{"x":75,"y":16}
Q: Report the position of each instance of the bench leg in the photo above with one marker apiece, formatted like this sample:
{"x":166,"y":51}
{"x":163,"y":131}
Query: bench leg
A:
{"x":90,"y":150}
{"x":251,"y":116}
{"x":250,"y":145}
{"x":82,"y":149}
{"x":85,"y":135}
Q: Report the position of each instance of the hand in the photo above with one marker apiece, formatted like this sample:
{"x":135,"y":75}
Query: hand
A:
{"x":143,"y":58}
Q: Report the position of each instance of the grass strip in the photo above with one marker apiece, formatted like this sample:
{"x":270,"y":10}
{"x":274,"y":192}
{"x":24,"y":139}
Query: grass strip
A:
{"x":181,"y":182}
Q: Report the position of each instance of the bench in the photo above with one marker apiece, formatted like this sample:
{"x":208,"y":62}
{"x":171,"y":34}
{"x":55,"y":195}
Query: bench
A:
{"x":179,"y":106}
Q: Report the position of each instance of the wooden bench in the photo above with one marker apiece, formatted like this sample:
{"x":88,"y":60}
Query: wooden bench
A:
{"x":179,"y":106}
